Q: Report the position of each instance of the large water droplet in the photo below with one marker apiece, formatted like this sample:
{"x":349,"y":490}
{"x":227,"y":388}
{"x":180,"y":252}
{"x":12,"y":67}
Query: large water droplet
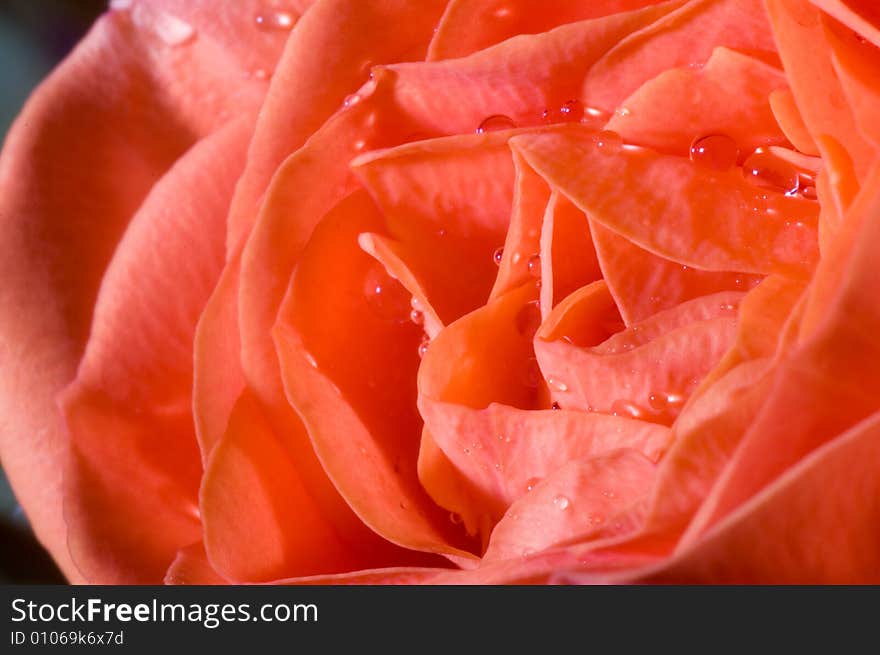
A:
{"x":385,"y":296}
{"x":275,"y":20}
{"x":716,"y":151}
{"x":496,"y":123}
{"x":770,"y":172}
{"x":534,"y":265}
{"x":808,"y":192}
{"x":561,"y":502}
{"x":173,"y":30}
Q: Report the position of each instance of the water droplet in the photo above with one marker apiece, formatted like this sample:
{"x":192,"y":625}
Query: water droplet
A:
{"x":498,"y":466}
{"x":555,"y":405}
{"x":534,"y":265}
{"x":417,"y":317}
{"x":496,"y":123}
{"x":385,"y":296}
{"x":503,"y":437}
{"x":716,"y":151}
{"x":561,"y":502}
{"x":808,"y":192}
{"x":360,"y":144}
{"x":531,"y":483}
{"x":607,"y":140}
{"x":455,"y":518}
{"x":172,"y":30}
{"x":497,"y":256}
{"x":626,"y":408}
{"x":622,"y":112}
{"x":275,"y":20}
{"x":557,"y":384}
{"x":608,"y":493}
{"x":423,"y":346}
{"x":595,"y":115}
{"x":595,"y":519}
{"x":403,"y":505}
{"x":571,"y":111}
{"x":727,"y":307}
{"x":467,"y":451}
{"x":770,"y":172}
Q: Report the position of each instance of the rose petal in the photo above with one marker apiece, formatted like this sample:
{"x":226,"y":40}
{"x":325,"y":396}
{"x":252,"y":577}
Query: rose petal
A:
{"x":264,"y":521}
{"x":355,"y":376}
{"x":499,"y":20}
{"x":131,"y":492}
{"x":307,"y":88}
{"x":647,"y":371}
{"x":791,"y":122}
{"x":683,"y":37}
{"x":191,"y":567}
{"x":727,"y":96}
{"x":858,"y":15}
{"x":816,"y":524}
{"x":672,"y":207}
{"x":571,"y":502}
{"x":643,"y":284}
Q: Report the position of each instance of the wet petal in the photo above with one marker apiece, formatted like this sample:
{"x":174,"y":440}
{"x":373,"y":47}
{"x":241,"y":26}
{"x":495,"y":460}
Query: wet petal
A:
{"x":572,"y":502}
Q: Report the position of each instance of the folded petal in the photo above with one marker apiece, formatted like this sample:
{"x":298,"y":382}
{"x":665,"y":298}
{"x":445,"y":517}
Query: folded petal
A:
{"x":713,"y":220}
{"x":349,"y":354}
{"x":816,"y":524}
{"x":130,"y":499}
{"x":572,"y":502}
{"x":191,"y":567}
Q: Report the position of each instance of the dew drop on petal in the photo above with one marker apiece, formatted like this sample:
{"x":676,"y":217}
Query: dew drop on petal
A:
{"x":561,"y":502}
{"x":623,"y":112}
{"x":808,"y":192}
{"x":534,"y":265}
{"x":455,"y":518}
{"x":173,"y":30}
{"x":417,"y":317}
{"x":531,"y":483}
{"x":275,"y":20}
{"x":403,"y":505}
{"x":608,"y":493}
{"x":497,"y":256}
{"x":555,"y":405}
{"x":496,"y":123}
{"x":769,"y":172}
{"x":557,"y":384}
{"x":607,"y":140}
{"x":385,"y":296}
{"x":626,"y":408}
{"x":423,"y":346}
{"x":716,"y":151}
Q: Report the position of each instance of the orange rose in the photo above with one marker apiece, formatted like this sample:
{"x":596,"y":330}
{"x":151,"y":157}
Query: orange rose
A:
{"x":582,"y":291}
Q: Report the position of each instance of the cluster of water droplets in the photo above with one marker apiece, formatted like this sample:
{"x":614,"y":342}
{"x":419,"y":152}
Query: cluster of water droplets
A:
{"x":761,"y":167}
